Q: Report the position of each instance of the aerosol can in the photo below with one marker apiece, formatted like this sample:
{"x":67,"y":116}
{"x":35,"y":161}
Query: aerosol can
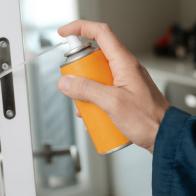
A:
{"x":88,"y":61}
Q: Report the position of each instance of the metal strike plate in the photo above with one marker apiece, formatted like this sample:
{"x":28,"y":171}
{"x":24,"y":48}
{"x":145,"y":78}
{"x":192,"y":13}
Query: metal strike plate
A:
{"x":7,"y":87}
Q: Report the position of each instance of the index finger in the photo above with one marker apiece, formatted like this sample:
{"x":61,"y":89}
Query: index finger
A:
{"x":100,"y":32}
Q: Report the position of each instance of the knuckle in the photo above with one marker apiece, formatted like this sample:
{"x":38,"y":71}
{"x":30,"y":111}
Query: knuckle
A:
{"x":137,"y":63}
{"x":82,"y":87}
{"x":134,"y":61}
{"x":141,"y":69}
{"x":80,"y":21}
{"x":116,"y":102}
{"x":104,"y":27}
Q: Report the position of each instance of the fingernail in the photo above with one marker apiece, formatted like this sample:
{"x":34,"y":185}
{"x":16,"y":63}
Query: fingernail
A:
{"x":66,"y":83}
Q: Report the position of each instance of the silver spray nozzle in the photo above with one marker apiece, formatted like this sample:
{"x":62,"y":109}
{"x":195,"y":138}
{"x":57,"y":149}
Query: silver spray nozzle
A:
{"x":74,"y":43}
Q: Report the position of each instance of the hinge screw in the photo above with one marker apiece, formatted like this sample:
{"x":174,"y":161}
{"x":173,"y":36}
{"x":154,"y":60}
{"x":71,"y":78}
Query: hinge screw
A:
{"x":3,"y":44}
{"x":5,"y":66}
{"x":10,"y":113}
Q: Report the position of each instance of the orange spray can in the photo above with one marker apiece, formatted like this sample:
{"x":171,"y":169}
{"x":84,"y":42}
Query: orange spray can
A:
{"x":87,"y":61}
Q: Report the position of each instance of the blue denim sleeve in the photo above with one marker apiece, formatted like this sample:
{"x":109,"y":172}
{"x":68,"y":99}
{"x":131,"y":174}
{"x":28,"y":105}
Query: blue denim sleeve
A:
{"x":174,"y":157}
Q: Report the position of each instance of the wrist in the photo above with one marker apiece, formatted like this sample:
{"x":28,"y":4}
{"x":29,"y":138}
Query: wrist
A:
{"x":160,"y":115}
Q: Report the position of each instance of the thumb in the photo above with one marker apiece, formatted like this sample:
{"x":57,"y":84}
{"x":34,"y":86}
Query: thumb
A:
{"x":83,"y":89}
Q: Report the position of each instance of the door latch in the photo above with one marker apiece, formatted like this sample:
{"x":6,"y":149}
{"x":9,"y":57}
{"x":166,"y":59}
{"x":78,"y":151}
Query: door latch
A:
{"x":7,"y":87}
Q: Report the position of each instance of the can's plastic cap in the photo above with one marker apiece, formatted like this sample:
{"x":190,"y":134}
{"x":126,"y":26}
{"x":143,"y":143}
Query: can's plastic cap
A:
{"x":75,"y":44}
{"x":73,"y":41}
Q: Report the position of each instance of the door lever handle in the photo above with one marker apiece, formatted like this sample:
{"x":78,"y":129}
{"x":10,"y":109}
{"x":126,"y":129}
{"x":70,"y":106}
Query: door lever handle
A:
{"x":48,"y":154}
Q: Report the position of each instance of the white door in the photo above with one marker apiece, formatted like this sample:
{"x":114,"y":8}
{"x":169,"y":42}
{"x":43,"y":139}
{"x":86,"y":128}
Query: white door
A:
{"x":15,"y":137}
{"x":53,"y":156}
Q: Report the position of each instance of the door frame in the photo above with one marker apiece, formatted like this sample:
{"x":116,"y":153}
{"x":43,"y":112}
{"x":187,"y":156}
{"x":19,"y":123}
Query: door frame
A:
{"x":15,"y":137}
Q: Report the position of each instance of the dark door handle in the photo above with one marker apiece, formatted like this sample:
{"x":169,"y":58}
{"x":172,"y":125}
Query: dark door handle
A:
{"x":48,"y":153}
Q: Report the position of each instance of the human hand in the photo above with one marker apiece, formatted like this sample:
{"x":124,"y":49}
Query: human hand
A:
{"x":134,"y":103}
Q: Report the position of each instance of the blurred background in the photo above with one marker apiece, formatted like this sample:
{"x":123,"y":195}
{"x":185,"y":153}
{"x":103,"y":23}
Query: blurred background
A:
{"x":162,"y":34}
